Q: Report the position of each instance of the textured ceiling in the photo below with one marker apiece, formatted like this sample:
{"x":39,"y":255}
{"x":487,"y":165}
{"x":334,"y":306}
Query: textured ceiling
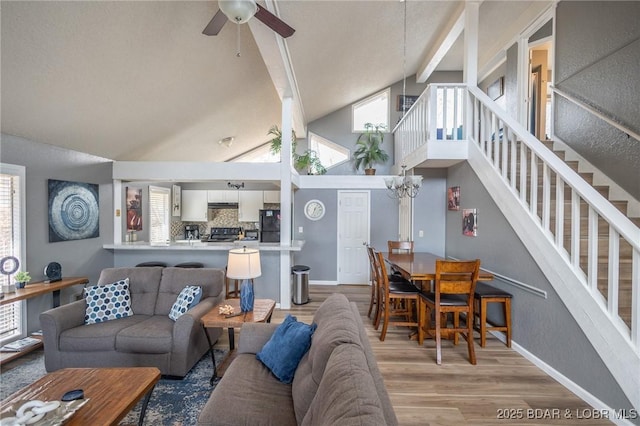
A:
{"x":138,"y":81}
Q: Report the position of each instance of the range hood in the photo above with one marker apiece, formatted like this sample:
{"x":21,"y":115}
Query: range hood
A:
{"x":222,"y":205}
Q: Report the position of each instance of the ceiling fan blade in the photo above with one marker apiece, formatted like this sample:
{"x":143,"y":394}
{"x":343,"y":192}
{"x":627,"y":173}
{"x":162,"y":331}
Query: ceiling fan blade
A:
{"x":273,"y":22}
{"x":215,"y":25}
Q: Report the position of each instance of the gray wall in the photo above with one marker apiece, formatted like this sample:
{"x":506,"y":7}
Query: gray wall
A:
{"x":429,"y":211}
{"x":319,"y":251}
{"x":337,"y":126}
{"x":544,"y":327}
{"x":597,"y":59}
{"x":79,"y":257}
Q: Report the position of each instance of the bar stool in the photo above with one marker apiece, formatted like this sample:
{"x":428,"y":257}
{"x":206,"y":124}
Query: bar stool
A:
{"x":150,"y":264}
{"x":228,"y":293}
{"x":190,"y":265}
{"x":483,"y":295}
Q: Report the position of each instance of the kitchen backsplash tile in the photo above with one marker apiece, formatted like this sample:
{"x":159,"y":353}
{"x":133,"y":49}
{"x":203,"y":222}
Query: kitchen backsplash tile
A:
{"x":218,"y":218}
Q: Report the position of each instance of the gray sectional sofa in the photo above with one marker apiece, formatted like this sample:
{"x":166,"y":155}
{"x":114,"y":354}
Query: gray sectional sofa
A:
{"x":146,"y":338}
{"x":337,"y":382}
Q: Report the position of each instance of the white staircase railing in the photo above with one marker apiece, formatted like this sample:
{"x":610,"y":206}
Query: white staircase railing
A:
{"x":588,"y":232}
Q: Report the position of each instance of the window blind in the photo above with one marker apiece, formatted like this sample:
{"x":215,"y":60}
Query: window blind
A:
{"x":10,"y":241}
{"x":159,"y":214}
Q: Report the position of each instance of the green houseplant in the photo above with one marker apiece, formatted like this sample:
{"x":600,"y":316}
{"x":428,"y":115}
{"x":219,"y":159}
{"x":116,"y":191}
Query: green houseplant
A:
{"x":307,"y":162}
{"x":368,"y":149}
{"x":22,"y":278}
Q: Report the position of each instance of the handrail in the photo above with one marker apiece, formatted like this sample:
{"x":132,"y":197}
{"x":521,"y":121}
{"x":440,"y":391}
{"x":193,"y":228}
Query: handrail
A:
{"x":616,"y":218}
{"x":595,"y":112}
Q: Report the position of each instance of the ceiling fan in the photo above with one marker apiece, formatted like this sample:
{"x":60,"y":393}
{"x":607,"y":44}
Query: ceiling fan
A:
{"x":240,"y":11}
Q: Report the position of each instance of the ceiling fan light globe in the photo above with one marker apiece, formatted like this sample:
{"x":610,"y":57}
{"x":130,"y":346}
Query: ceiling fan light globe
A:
{"x":238,"y":11}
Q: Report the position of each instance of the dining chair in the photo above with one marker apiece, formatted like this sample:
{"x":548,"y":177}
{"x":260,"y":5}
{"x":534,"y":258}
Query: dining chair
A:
{"x":455,"y":283}
{"x":395,"y":300}
{"x":400,"y":246}
{"x":375,"y":286}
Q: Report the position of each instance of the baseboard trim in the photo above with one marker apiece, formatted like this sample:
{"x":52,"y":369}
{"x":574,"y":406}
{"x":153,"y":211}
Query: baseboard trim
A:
{"x":322,"y":282}
{"x":581,"y":393}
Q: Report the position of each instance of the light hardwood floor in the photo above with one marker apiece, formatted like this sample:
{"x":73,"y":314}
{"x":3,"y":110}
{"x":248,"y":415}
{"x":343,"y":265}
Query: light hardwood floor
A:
{"x":456,"y":392}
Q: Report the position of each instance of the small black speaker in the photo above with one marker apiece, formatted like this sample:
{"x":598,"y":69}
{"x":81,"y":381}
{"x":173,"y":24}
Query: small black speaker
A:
{"x":53,"y":271}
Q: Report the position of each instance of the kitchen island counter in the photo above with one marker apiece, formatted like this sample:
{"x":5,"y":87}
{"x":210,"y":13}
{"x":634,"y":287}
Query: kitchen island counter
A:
{"x":296,"y":245}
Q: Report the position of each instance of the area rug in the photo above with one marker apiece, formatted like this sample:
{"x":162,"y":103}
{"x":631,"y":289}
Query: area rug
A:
{"x":173,"y":402}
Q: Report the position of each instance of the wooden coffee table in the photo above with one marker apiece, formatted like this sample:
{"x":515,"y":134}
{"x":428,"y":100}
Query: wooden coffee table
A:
{"x":112,"y":392}
{"x":262,"y":310}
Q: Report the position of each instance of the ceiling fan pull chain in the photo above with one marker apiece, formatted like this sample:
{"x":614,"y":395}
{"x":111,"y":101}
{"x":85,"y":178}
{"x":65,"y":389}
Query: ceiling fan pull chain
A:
{"x":238,"y":42}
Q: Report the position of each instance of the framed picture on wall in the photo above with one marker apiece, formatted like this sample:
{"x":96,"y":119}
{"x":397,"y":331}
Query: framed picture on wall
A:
{"x":453,"y":198}
{"x":405,"y":102}
{"x":175,"y":200}
{"x":470,"y":222}
{"x":74,"y":212}
{"x":134,"y":209}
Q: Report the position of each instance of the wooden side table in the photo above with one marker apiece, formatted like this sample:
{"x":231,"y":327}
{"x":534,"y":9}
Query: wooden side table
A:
{"x":262,"y":310}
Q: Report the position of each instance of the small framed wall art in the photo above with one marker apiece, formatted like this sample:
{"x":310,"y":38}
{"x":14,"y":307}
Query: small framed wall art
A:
{"x":470,"y":222}
{"x":405,"y":102}
{"x":134,"y":209}
{"x":453,"y":198}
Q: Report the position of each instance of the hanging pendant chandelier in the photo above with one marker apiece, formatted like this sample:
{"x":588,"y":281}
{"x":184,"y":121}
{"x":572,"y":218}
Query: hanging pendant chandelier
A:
{"x":403,"y":186}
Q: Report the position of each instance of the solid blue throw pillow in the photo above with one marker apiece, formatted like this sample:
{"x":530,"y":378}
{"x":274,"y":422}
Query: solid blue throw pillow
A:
{"x":288,"y":344}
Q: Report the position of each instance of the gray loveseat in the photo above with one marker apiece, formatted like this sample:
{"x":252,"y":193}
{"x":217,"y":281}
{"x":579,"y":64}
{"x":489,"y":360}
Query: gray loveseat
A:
{"x":336,"y":383}
{"x":148,"y":337}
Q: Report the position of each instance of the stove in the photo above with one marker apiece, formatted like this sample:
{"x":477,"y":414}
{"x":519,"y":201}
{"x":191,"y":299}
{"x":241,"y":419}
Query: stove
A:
{"x":223,"y":234}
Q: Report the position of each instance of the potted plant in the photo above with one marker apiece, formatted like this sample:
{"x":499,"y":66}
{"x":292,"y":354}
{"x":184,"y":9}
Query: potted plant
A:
{"x":309,"y":162}
{"x":22,"y":278}
{"x":276,"y":141}
{"x":368,"y":149}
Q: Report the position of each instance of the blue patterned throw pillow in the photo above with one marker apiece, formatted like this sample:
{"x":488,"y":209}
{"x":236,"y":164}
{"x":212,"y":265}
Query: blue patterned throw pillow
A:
{"x":288,"y":344}
{"x":188,"y":298}
{"x":107,"y":302}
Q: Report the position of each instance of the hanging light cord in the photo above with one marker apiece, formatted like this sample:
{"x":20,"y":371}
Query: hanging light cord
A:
{"x":404,"y":55}
{"x":238,"y":42}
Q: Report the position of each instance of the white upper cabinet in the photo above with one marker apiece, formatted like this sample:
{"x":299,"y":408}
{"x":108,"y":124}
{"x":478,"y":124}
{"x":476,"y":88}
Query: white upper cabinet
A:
{"x":194,"y":205}
{"x":222,"y":196}
{"x":249,"y":205}
{"x":271,"y":197}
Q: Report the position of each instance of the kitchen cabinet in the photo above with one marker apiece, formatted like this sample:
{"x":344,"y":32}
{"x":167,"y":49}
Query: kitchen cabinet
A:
{"x":271,"y":197}
{"x":194,"y":205}
{"x":222,"y":196}
{"x":249,"y":205}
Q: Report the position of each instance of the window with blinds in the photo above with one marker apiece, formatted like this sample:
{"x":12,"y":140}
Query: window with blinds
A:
{"x":10,"y":245}
{"x":159,"y":214}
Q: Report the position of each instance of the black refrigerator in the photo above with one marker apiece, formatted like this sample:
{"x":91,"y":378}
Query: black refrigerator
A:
{"x":270,"y":226}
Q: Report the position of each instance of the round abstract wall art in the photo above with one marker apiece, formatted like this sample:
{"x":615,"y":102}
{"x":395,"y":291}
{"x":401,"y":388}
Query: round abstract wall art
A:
{"x":74,"y":212}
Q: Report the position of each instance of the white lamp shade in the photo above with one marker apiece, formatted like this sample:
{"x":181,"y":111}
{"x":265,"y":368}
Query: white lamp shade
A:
{"x":238,"y":11}
{"x":243,"y":264}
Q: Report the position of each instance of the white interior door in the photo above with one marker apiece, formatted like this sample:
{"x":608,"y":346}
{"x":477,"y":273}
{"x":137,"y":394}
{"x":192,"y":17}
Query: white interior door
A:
{"x":353,"y":235}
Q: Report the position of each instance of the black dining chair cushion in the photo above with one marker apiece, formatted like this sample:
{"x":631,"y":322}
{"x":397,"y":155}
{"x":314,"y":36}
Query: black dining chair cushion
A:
{"x":402,"y":287}
{"x":446,"y":299}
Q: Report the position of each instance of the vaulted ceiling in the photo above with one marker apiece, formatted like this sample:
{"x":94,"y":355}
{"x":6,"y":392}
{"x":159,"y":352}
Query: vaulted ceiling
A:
{"x":137,"y":80}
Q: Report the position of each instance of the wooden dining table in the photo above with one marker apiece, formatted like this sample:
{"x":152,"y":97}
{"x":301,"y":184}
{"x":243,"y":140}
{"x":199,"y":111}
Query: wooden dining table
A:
{"x":421,"y":266}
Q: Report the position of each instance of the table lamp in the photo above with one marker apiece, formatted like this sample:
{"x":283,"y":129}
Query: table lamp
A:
{"x":244,"y":264}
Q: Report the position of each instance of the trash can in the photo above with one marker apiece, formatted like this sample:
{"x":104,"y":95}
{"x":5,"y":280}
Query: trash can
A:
{"x":300,"y":284}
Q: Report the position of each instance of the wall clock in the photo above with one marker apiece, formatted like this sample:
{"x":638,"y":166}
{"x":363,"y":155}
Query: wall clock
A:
{"x":314,"y":210}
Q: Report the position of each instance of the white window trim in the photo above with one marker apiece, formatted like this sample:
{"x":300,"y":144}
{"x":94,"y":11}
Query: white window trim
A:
{"x":348,"y":151}
{"x":167,"y":192}
{"x":368,"y":99}
{"x":20,"y":171}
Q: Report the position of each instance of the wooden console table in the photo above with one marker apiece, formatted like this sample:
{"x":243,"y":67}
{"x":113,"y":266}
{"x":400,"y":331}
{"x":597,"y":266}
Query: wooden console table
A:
{"x":34,"y":290}
{"x":40,"y":288}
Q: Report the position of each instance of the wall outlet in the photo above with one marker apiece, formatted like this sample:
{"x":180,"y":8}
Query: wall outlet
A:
{"x":421,"y":233}
{"x":300,"y":229}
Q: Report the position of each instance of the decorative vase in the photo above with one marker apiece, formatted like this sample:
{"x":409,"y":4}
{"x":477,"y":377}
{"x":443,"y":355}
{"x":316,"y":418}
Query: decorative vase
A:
{"x":246,"y":296}
{"x":20,"y":284}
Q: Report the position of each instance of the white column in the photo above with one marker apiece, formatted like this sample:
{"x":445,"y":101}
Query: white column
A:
{"x":285,"y":203}
{"x":471,"y":20}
